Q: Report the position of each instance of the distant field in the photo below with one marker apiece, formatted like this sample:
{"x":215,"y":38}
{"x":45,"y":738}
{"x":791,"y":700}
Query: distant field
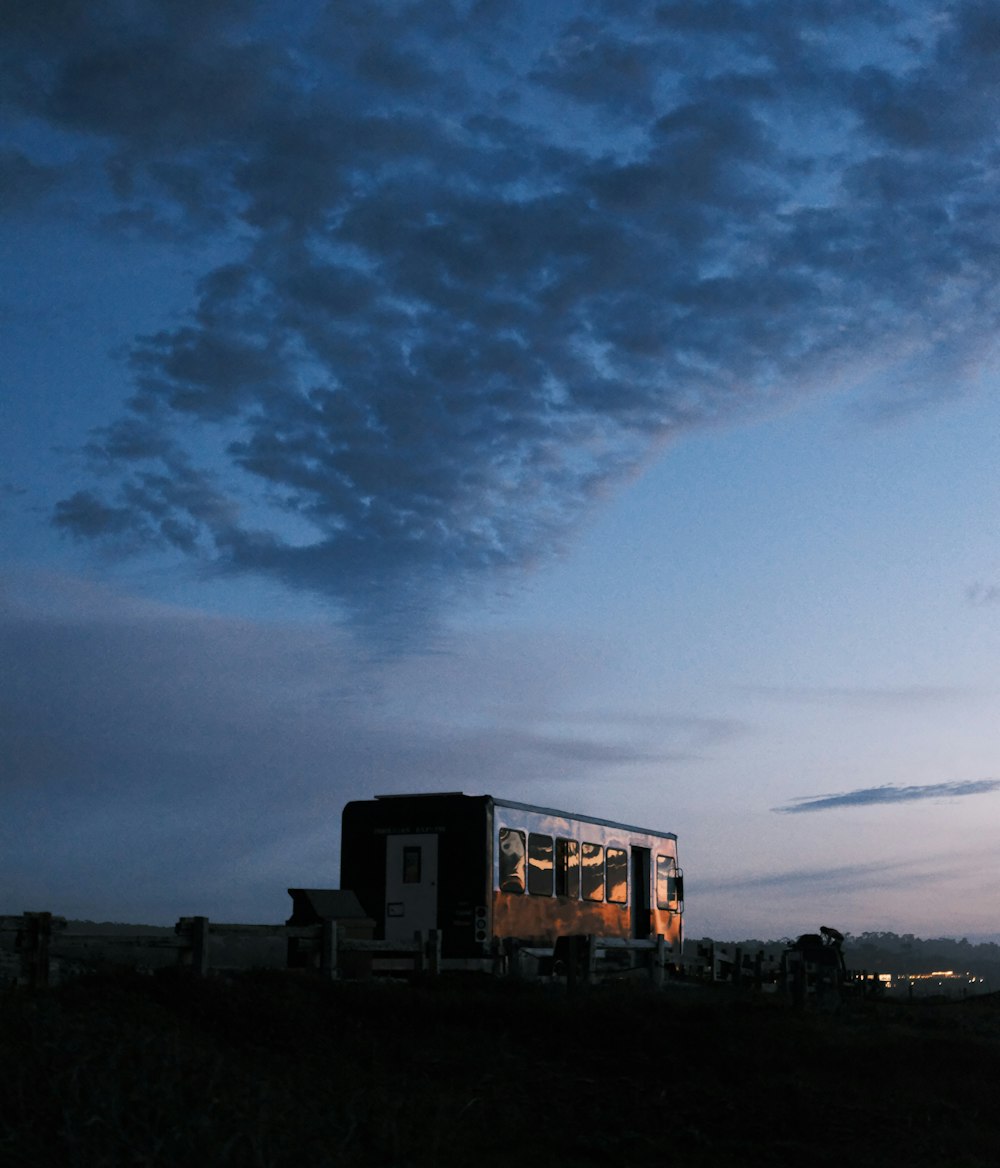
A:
{"x":272,"y":1069}
{"x":108,"y":945}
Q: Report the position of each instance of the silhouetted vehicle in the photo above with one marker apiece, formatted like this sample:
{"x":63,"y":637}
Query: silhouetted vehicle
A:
{"x":485,"y":871}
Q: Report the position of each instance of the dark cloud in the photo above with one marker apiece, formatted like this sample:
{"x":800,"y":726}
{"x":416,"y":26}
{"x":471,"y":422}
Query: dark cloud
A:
{"x":24,"y":182}
{"x":867,"y":796}
{"x":480,"y":259}
{"x":85,"y":514}
{"x":600,"y":68}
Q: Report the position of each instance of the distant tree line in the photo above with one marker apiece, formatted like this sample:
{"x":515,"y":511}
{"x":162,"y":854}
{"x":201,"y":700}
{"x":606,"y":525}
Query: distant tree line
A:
{"x":891,"y":953}
{"x":884,"y":952}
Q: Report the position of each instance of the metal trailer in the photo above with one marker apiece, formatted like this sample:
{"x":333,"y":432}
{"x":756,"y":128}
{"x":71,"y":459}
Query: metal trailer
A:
{"x":490,"y":874}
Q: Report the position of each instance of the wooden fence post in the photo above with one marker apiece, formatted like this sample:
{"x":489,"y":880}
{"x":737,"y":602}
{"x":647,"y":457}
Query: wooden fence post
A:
{"x":590,"y":958}
{"x":434,"y":952}
{"x":199,"y":946}
{"x":33,"y":942}
{"x":660,"y":960}
{"x":572,"y":964}
{"x":497,"y":951}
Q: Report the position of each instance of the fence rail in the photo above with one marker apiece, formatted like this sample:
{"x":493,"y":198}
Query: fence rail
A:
{"x":774,"y":969}
{"x":42,"y":940}
{"x":333,"y":949}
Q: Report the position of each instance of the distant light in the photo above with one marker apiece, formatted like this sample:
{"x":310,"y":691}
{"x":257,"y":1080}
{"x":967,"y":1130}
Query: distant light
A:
{"x":938,"y":973}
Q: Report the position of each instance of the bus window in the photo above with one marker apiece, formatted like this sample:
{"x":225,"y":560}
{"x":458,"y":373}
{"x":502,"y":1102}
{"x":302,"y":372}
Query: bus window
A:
{"x":617,"y":876}
{"x":568,"y":868}
{"x":593,"y":871}
{"x":411,"y":865}
{"x":666,"y":882}
{"x":511,"y":860}
{"x":540,"y":864}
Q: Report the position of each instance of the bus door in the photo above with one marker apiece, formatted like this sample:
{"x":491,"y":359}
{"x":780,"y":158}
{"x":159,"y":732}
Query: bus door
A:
{"x":641,"y":916}
{"x":411,"y":877}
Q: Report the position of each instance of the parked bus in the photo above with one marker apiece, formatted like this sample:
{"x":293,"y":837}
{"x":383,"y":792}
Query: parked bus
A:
{"x":484,"y":871}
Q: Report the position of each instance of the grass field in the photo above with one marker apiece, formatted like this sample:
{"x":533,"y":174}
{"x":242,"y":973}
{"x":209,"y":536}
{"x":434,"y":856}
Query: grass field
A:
{"x":270,"y":1069}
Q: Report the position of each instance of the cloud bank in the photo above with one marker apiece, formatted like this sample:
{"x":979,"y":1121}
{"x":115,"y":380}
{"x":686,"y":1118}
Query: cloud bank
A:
{"x":156,"y":758}
{"x":467,"y":265}
{"x":865,"y":796}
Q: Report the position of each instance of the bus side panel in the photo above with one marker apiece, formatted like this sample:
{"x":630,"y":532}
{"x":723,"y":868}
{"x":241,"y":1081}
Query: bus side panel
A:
{"x":539,"y":920}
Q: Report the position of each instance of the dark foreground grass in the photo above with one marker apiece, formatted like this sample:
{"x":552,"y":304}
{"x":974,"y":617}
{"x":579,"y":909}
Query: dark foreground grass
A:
{"x":271,"y":1069}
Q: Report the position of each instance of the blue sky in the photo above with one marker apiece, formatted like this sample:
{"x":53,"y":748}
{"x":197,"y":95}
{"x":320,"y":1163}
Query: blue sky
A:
{"x":585,"y":407}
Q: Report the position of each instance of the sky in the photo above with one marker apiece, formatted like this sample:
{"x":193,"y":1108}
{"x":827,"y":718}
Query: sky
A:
{"x":587,"y":404}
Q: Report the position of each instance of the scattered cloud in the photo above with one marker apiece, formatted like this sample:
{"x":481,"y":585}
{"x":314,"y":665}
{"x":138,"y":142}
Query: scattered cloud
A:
{"x":983,"y":595}
{"x":467,"y":266}
{"x":864,"y":696}
{"x":866,"y":796}
{"x":849,"y":878}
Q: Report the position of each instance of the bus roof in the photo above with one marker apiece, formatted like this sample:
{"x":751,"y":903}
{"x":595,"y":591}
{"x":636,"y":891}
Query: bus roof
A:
{"x":532,"y":807}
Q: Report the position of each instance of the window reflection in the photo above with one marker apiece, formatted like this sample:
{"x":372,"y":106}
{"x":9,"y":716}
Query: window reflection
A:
{"x":568,"y":868}
{"x":617,"y":868}
{"x":593,"y":871}
{"x":540,"y":865}
{"x":511,"y":860}
{"x":666,"y":882}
